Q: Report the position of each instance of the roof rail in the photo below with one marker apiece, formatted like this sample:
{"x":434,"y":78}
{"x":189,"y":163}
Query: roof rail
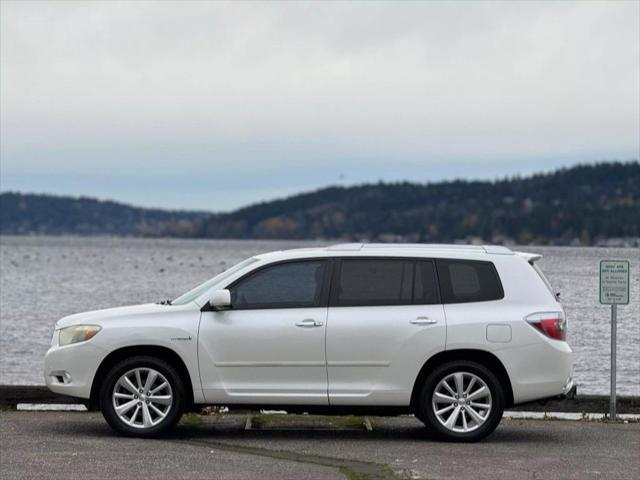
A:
{"x":491,"y":249}
{"x":497,"y":249}
{"x":346,"y":247}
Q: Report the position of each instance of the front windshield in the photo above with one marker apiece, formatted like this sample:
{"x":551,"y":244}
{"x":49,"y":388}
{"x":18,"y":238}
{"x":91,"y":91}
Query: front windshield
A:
{"x":191,"y":295}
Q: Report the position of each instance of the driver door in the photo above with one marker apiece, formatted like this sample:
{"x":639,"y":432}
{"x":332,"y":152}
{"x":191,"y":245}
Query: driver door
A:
{"x":269,"y":347}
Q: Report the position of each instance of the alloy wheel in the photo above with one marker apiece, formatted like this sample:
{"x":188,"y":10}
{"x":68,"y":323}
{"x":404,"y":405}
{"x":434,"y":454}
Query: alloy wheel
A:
{"x":142,"y":397}
{"x":461,"y":402}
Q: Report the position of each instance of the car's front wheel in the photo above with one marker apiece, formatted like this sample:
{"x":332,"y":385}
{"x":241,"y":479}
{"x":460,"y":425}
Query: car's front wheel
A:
{"x":142,"y":396}
{"x":461,"y":401}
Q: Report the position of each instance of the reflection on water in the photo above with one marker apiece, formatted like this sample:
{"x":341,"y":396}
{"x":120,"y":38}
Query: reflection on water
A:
{"x":45,"y":278}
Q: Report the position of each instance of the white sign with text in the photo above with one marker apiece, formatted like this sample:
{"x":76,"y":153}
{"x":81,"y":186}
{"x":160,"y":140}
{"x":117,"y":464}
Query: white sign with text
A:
{"x":614,"y":282}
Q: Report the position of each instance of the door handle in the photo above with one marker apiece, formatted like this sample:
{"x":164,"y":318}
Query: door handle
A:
{"x":309,"y":323}
{"x":423,"y":321}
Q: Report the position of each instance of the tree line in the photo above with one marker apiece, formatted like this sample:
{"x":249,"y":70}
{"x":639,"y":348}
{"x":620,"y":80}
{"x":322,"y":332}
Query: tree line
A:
{"x":584,"y":205}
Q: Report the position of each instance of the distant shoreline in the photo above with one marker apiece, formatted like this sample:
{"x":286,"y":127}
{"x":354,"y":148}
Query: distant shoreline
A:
{"x":627,"y":243}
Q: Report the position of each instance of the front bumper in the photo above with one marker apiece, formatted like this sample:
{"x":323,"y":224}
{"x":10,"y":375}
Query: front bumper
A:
{"x":69,"y":370}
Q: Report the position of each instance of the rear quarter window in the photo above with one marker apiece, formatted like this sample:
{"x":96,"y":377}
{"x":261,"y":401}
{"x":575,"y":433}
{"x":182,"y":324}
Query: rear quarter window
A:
{"x":463,"y":281}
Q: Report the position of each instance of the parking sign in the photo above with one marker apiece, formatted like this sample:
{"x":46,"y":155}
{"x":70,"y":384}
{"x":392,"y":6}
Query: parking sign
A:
{"x":614,"y":282}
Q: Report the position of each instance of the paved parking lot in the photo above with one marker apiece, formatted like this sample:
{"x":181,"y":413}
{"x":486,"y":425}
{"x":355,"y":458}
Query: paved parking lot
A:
{"x":72,"y":445}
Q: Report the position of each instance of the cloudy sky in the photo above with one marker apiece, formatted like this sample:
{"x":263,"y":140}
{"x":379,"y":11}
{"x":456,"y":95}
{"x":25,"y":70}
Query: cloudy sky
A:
{"x":215,"y":105}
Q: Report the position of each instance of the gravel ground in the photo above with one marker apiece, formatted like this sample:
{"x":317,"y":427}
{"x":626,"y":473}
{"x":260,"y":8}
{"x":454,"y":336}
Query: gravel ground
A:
{"x":72,"y":445}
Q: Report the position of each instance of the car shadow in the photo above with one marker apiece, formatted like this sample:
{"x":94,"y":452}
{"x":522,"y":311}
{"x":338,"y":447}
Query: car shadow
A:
{"x":221,"y":431}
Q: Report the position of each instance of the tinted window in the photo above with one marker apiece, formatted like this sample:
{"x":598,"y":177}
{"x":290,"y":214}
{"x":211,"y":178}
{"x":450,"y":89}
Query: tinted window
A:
{"x":425,"y":290}
{"x":468,"y":281}
{"x":375,"y":282}
{"x":285,"y":285}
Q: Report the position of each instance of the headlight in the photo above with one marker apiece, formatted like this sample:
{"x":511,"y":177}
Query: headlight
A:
{"x":77,"y":333}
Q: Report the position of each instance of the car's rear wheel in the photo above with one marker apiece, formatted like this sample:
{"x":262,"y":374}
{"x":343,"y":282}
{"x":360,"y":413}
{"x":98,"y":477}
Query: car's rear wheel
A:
{"x":461,"y":401}
{"x":142,"y":396}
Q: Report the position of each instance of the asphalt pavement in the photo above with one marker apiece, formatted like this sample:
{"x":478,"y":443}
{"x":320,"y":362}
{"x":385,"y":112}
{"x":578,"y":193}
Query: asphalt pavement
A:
{"x":79,"y":445}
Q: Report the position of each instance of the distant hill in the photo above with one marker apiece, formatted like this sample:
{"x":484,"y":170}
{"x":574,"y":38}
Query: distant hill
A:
{"x":56,"y":215}
{"x":581,"y":205}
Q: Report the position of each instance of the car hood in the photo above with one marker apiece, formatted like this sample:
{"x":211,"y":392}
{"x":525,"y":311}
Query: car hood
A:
{"x":101,"y":316}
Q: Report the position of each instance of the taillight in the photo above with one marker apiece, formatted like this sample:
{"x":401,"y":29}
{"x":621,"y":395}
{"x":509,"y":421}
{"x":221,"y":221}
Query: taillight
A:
{"x":551,"y":324}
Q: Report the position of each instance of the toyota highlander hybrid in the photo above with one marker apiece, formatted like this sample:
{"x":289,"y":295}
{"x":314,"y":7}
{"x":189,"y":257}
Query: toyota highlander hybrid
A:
{"x":453,"y":334}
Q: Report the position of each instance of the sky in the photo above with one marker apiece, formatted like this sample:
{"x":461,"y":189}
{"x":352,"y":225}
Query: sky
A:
{"x":213,"y":105}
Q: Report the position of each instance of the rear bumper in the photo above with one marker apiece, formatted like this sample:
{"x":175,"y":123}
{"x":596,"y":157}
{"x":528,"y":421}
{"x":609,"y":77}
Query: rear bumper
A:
{"x":539,"y":371}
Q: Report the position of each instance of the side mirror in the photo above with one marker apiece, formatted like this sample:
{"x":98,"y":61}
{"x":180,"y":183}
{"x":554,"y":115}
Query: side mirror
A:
{"x":220,"y":299}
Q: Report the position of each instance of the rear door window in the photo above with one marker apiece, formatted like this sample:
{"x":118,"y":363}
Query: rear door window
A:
{"x":463,"y":281}
{"x":377,"y":282}
{"x":374,"y":282}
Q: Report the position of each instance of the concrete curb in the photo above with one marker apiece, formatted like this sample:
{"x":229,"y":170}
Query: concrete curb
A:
{"x":583,"y":416}
{"x":366,"y":423}
{"x":582,"y":403}
{"x":11,"y":395}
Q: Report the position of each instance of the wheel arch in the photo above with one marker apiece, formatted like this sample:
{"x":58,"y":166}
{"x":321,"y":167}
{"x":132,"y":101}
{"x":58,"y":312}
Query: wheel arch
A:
{"x":483,"y":357}
{"x":120,"y":354}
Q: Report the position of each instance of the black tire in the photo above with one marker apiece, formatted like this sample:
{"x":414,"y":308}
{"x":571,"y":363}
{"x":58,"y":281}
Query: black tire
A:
{"x":426,"y":414}
{"x":174,"y":413}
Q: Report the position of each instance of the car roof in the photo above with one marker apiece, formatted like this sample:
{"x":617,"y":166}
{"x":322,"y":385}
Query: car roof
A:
{"x":390,"y":250}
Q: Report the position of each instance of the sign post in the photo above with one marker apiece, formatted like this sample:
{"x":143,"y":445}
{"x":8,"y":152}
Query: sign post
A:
{"x":614,"y":291}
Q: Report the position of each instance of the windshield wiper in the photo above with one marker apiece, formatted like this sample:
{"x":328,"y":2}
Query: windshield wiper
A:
{"x":164,"y":302}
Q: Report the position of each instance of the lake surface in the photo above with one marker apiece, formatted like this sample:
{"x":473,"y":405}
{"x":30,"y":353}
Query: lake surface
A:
{"x":45,"y":278}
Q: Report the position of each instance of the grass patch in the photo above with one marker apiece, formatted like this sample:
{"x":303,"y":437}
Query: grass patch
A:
{"x":191,"y":420}
{"x":351,"y":475}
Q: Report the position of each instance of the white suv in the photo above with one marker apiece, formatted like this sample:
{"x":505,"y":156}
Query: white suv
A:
{"x":453,"y":334}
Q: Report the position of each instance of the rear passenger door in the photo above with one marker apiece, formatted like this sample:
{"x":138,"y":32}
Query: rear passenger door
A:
{"x":385,"y":319}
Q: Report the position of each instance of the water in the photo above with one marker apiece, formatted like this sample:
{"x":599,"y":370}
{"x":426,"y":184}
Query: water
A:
{"x":45,"y":278}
